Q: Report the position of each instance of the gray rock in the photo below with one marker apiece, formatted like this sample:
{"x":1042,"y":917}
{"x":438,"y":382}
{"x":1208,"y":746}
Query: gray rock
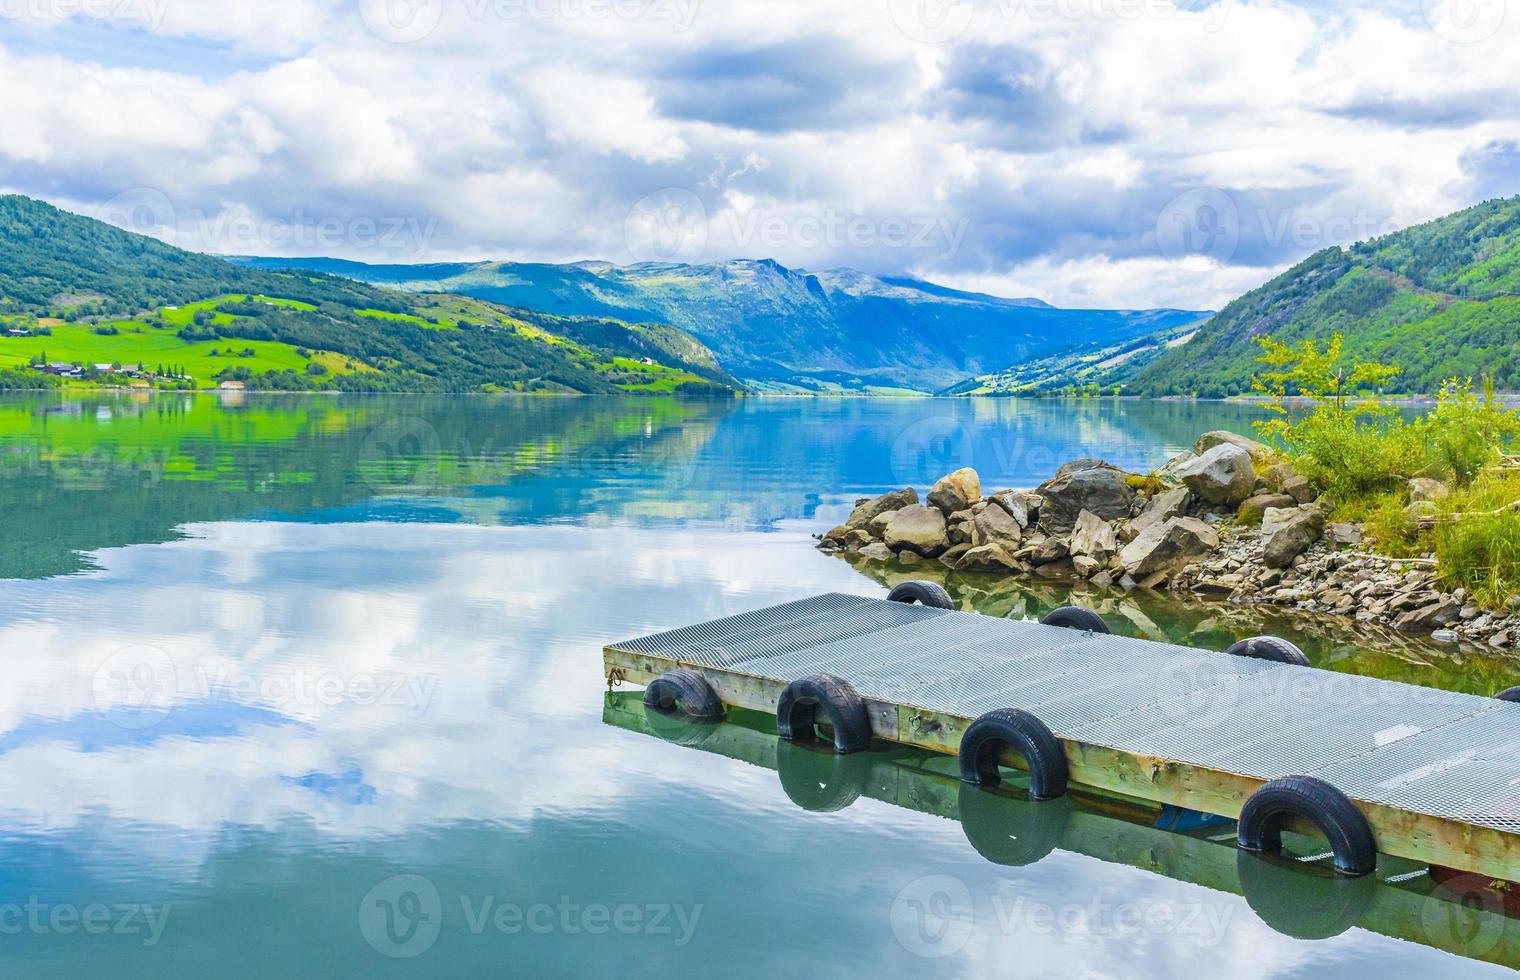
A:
{"x":1223,"y":475}
{"x":987,"y":558}
{"x":1444,"y":636}
{"x":1345,"y":534}
{"x":909,"y":558}
{"x":1086,"y":484}
{"x":1424,"y":488}
{"x":1093,"y":537}
{"x":1015,"y":503}
{"x":1047,"y":551}
{"x":1103,"y":579}
{"x":1252,"y":510}
{"x":996,"y":526}
{"x":869,"y":508}
{"x":875,"y":551}
{"x":1291,"y":536}
{"x":1084,"y":567}
{"x":1167,"y":546}
{"x":918,"y":528}
{"x":1439,"y":613}
{"x":857,"y":539}
{"x":1163,"y":506}
{"x":1298,"y":488}
{"x":953,"y":556}
{"x":1220,"y":437}
{"x":957,"y":491}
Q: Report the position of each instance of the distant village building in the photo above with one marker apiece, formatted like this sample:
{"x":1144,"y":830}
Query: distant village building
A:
{"x":232,"y":386}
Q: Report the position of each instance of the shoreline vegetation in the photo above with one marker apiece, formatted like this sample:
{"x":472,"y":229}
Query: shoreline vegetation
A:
{"x":1345,"y":508}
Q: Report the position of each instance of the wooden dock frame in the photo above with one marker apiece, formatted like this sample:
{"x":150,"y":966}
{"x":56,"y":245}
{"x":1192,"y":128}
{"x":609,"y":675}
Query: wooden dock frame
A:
{"x":1401,"y":833}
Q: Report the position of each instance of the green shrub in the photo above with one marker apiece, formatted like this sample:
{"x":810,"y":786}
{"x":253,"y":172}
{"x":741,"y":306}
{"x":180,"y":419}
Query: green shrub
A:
{"x":1464,"y":434}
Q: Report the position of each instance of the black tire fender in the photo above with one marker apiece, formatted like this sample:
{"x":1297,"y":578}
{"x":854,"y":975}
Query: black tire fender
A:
{"x":685,"y":691}
{"x":821,"y":782}
{"x":1314,"y":800}
{"x":1509,"y":694}
{"x":1004,"y":728}
{"x":1296,"y":902}
{"x":798,"y":707}
{"x":1008,"y":830}
{"x":930,"y":594}
{"x":1076,"y":618}
{"x":1273,"y":648}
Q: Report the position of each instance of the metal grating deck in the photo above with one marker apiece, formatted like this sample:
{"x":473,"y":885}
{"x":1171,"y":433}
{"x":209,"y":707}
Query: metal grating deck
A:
{"x":1449,"y":755}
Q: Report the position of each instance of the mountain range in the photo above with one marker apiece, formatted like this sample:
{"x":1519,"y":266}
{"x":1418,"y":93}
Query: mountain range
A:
{"x":782,"y":329}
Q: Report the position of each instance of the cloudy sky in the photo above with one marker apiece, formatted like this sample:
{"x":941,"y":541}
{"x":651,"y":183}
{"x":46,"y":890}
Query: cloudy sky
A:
{"x":1126,"y":153}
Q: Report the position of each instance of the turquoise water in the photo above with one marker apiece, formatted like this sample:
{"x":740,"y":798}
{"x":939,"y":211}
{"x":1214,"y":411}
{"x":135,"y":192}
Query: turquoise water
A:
{"x":313,"y":687}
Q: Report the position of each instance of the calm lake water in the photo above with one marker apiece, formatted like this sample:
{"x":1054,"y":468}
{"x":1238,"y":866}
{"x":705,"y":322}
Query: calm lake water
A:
{"x":312,"y":686}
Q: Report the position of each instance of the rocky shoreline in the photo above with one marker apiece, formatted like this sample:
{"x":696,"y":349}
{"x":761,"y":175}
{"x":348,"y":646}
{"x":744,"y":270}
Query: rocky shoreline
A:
{"x":1227,"y":520}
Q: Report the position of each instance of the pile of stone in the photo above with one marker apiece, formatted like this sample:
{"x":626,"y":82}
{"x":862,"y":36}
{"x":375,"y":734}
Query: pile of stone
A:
{"x":1228,"y":518}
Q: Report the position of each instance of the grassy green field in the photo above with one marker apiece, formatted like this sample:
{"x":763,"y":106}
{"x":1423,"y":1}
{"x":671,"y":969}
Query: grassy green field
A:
{"x":139,"y":343}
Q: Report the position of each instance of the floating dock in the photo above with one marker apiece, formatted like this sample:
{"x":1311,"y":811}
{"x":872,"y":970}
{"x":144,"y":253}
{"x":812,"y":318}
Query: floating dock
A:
{"x":1403,"y":902}
{"x":1436,"y":774}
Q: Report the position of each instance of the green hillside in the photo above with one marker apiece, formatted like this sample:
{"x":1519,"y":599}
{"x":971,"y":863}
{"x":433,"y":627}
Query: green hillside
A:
{"x":1440,"y":299}
{"x":130,"y":311}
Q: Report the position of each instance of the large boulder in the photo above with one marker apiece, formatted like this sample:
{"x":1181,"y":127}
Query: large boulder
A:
{"x":996,"y":526}
{"x":1167,"y":546}
{"x":1252,"y":511}
{"x":1286,"y":534}
{"x":987,"y":558}
{"x":957,"y":491}
{"x":1084,"y":484}
{"x":1162,"y":507}
{"x":1220,"y":437}
{"x":1093,"y":537}
{"x":918,"y":529}
{"x":869,"y":508}
{"x":1223,"y":475}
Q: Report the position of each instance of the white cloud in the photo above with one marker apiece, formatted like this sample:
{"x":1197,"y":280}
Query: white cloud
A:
{"x":1054,"y":133}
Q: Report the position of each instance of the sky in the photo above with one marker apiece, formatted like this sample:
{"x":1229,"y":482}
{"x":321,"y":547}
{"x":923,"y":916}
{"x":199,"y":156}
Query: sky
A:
{"x":1091,"y":153}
